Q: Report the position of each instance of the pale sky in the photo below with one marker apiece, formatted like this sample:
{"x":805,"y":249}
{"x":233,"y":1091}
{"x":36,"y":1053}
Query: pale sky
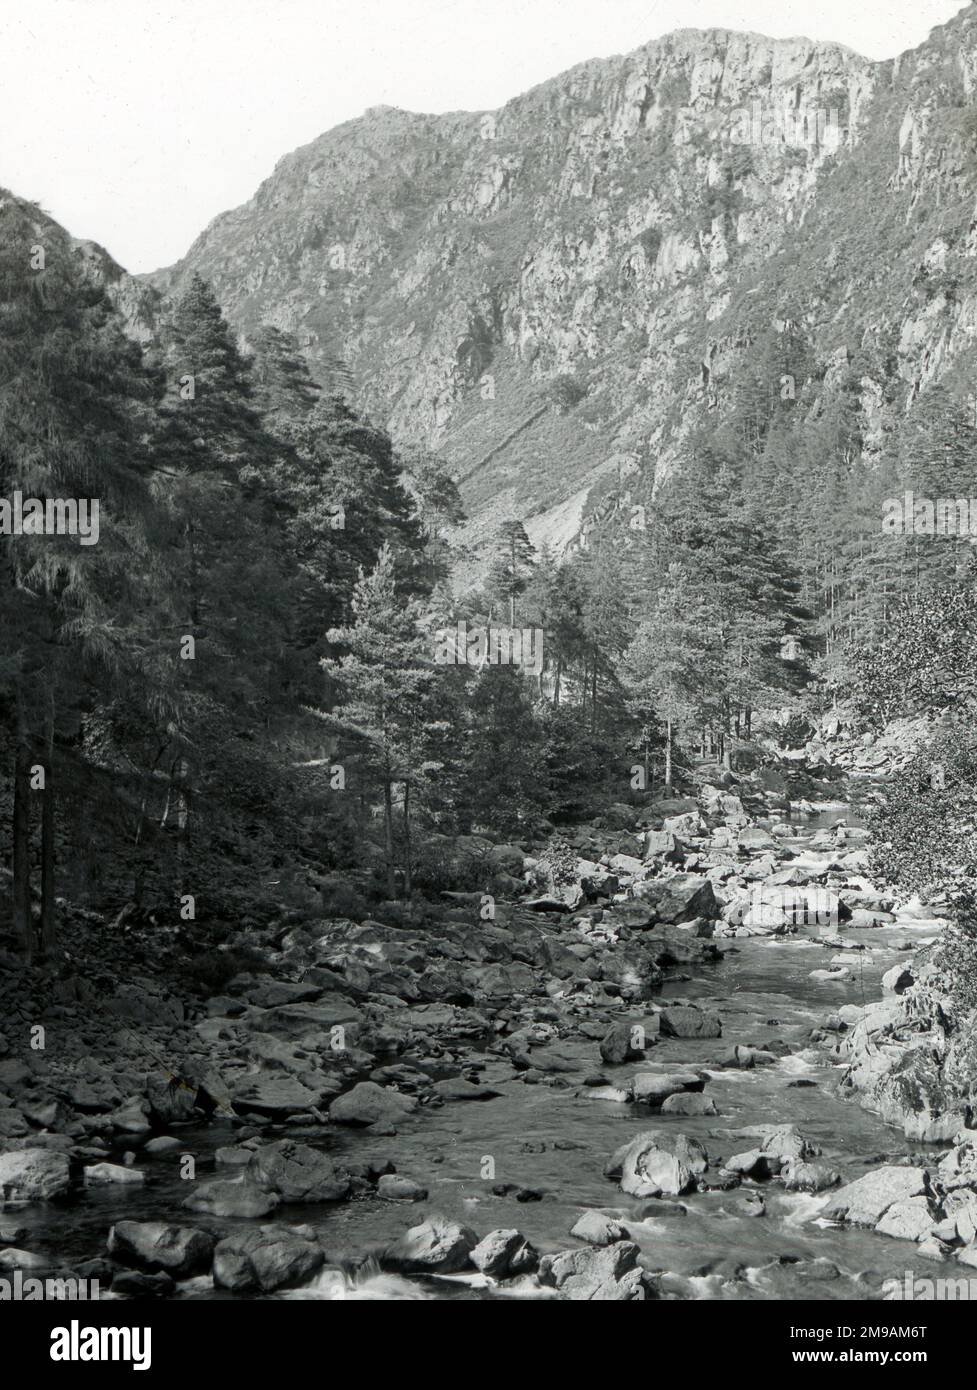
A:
{"x":134,"y":122}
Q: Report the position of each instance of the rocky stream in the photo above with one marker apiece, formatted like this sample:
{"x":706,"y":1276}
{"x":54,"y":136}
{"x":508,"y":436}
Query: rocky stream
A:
{"x":703,"y":1063}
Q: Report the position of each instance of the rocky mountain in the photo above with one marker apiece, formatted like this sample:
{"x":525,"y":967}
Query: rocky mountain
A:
{"x":550,"y":295}
{"x":44,"y":240}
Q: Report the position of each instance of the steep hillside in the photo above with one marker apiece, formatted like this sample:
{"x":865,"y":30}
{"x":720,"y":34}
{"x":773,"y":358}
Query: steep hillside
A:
{"x":28,"y":226}
{"x":549,"y":295}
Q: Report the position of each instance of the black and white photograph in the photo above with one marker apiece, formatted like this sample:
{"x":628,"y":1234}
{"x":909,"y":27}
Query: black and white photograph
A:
{"x":488,"y":700}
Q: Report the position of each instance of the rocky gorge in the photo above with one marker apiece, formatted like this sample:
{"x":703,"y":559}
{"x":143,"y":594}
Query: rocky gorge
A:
{"x":689,"y":1050}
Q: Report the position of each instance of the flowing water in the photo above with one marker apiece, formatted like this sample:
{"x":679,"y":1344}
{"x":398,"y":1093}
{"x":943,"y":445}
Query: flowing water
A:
{"x":555,"y":1141}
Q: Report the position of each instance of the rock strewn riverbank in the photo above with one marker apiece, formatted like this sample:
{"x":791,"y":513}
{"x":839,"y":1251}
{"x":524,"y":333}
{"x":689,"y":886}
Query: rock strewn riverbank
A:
{"x":369,"y":1026}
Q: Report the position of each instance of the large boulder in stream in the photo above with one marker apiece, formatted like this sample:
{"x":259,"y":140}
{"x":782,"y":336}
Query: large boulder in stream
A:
{"x":625,"y":1041}
{"x":687,"y":1021}
{"x":866,"y":1200}
{"x":274,"y":1094}
{"x":31,"y":1175}
{"x":369,"y":1104}
{"x":658,"y":1164}
{"x":231,"y":1197}
{"x":603,"y":1274}
{"x":682,"y":898}
{"x":436,"y":1246}
{"x":297,"y":1173}
{"x":272,"y":1257}
{"x":178,"y":1251}
{"x":504,"y":1254}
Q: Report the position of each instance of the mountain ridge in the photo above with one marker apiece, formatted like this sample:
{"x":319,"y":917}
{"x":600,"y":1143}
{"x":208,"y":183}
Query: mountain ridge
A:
{"x":590,"y":248}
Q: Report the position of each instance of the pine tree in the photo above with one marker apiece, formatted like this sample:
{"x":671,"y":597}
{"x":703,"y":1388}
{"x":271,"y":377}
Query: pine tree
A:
{"x":382,"y":677}
{"x":512,"y":566}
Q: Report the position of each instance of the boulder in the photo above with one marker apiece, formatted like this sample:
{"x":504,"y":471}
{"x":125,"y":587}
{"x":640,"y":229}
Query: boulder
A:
{"x":798,"y":1176}
{"x":866,"y":1200}
{"x":625,"y":1042}
{"x":651,"y":1088}
{"x":102,"y":1174}
{"x":171,"y":1101}
{"x":274,"y":1094}
{"x":436,"y":1246}
{"x":681,"y":898}
{"x":958,"y":1168}
{"x":606,"y":1274}
{"x":297,"y":1173}
{"x":897,"y":979}
{"x":689,"y":1103}
{"x":32,"y":1175}
{"x":680,"y":1021}
{"x":912,"y":1219}
{"x":664,"y":845}
{"x":504,"y":1254}
{"x":272,"y":1257}
{"x":231,"y":1197}
{"x":370,"y":1104}
{"x":457,"y":1088}
{"x":661,"y":1165}
{"x":132,"y":1116}
{"x":597,"y":1229}
{"x":395,"y":1187}
{"x":179,"y":1251}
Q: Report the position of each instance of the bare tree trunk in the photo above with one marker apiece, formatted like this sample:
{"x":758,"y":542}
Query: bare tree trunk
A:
{"x":593,"y":697}
{"x":408,"y":871}
{"x":388,"y":834}
{"x":23,"y":926}
{"x":182,"y":821}
{"x":49,"y":912}
{"x":668,"y":754}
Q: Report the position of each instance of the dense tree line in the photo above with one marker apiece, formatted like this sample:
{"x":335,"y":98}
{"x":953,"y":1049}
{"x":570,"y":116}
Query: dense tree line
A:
{"x":242,"y":686}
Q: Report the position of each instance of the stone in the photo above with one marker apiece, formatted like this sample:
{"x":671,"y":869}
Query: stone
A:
{"x":687,"y":1022}
{"x":798,"y":1176}
{"x":598,"y":1229}
{"x":170,"y":1101}
{"x":909,"y":1220}
{"x":689,"y":1103}
{"x":623,"y":1042}
{"x":272,"y":1257}
{"x":274,"y":1094}
{"x":297,"y":1173}
{"x":504,"y":1254}
{"x":34,"y":1174}
{"x":650,"y":1088}
{"x":752,"y":1163}
{"x":394,"y":1187}
{"x":897,"y":980}
{"x":101,"y":1174}
{"x":605,"y":1274}
{"x":13,"y":1124}
{"x":231,"y":1197}
{"x":457,"y":1088}
{"x":786,"y":1142}
{"x":132,"y":1116}
{"x":679,"y":899}
{"x":163,"y":1144}
{"x":661,"y":1164}
{"x":436,"y":1246}
{"x":866,"y":1200}
{"x":179,"y":1251}
{"x":368,"y":1104}
{"x":663,"y":844}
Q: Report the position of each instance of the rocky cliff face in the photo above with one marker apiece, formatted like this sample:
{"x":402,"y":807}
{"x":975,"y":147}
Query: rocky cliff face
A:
{"x":549,"y":295}
{"x":25,"y":223}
